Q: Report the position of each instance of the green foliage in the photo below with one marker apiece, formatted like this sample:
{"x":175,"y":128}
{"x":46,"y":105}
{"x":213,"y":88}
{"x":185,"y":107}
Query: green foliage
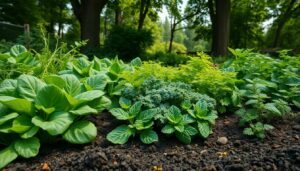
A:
{"x":257,"y":130}
{"x":30,"y":107}
{"x":138,"y":122}
{"x":170,"y":59}
{"x":128,"y":43}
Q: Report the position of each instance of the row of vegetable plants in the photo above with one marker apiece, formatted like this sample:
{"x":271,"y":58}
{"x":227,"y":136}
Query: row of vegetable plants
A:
{"x":50,"y":99}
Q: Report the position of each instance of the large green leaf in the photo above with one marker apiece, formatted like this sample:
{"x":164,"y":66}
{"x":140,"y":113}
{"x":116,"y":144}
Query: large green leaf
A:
{"x":57,"y":123}
{"x":101,"y":103}
{"x":174,"y":115}
{"x":8,"y":88}
{"x":21,"y":124}
{"x":6,"y":117}
{"x":28,"y":86}
{"x":136,"y":62}
{"x":146,"y":115}
{"x":148,"y":136}
{"x":272,"y":108}
{"x":81,"y":132}
{"x":89,"y":95}
{"x":16,"y":50}
{"x":84,"y":110}
{"x":119,"y":113}
{"x":30,"y":133}
{"x":168,"y":129}
{"x":51,"y":96}
{"x":204,"y":129}
{"x":97,"y":82}
{"x":7,"y":155}
{"x":55,"y":80}
{"x":18,"y":105}
{"x":190,"y":130}
{"x":135,"y":109}
{"x":27,"y":147}
{"x":120,"y":135}
{"x":201,"y":108}
{"x":72,"y":84}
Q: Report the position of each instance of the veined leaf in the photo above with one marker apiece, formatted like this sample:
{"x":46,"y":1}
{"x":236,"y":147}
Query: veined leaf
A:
{"x":7,"y":155}
{"x":135,"y":109}
{"x":183,"y":137}
{"x":84,"y":110}
{"x":148,"y":136}
{"x":81,"y":132}
{"x":28,"y":86}
{"x":18,"y":105}
{"x":120,"y":135}
{"x":97,"y":82}
{"x":51,"y":96}
{"x":119,"y":113}
{"x":27,"y":147}
{"x":21,"y":124}
{"x":204,"y":129}
{"x":57,"y":123}
{"x":168,"y":129}
{"x":6,"y":117}
{"x":55,"y":80}
{"x":174,"y":115}
{"x":89,"y":95}
{"x":8,"y":88}
{"x":125,"y":103}
{"x":72,"y":84}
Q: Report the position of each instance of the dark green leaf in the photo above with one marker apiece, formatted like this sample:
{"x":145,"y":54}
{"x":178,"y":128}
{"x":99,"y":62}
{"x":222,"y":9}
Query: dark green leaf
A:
{"x":120,"y":135}
{"x":27,"y":147}
{"x":81,"y":132}
{"x":148,"y":136}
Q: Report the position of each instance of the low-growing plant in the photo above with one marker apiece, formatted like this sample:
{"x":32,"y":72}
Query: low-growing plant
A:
{"x":204,"y":117}
{"x":179,"y":125}
{"x":138,"y":122}
{"x":257,"y":130}
{"x":32,"y":110}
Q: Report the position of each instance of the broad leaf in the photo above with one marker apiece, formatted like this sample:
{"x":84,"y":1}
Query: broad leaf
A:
{"x":148,"y":136}
{"x":55,"y":80}
{"x":136,"y":62}
{"x":30,"y":133}
{"x":174,"y":115}
{"x":51,"y":96}
{"x":146,"y":115}
{"x":125,"y":103}
{"x":81,"y":132}
{"x":272,"y":108}
{"x":89,"y":95}
{"x":72,"y":84}
{"x":84,"y":110}
{"x":57,"y":123}
{"x":135,"y":109}
{"x":119,"y":113}
{"x":28,"y":86}
{"x":190,"y":130}
{"x":21,"y":124}
{"x":18,"y":105}
{"x":179,"y":127}
{"x":204,"y":129}
{"x":101,"y":103}
{"x":97,"y":82}
{"x":27,"y":147}
{"x":8,"y":87}
{"x":120,"y":135}
{"x":168,"y":129}
{"x":201,"y":108}
{"x":7,"y":156}
{"x":6,"y":117}
{"x":16,"y":50}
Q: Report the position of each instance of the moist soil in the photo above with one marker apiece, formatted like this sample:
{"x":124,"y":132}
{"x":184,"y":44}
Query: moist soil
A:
{"x":280,"y":150}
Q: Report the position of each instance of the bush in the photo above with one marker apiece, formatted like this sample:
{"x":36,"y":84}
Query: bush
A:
{"x":128,"y":43}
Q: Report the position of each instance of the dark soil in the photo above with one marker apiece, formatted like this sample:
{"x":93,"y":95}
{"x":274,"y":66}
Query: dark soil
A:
{"x":280,"y":150}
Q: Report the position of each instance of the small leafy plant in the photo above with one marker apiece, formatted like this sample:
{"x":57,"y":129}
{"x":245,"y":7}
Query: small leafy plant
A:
{"x":32,"y":110}
{"x":138,"y":122}
{"x":204,"y":118}
{"x":178,"y":124}
{"x":257,"y":130}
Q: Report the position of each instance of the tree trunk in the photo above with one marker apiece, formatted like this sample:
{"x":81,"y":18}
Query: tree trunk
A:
{"x":118,"y":16}
{"x":173,"y":27}
{"x":88,"y":14}
{"x":281,"y":22}
{"x":221,"y":28}
{"x":144,"y":8}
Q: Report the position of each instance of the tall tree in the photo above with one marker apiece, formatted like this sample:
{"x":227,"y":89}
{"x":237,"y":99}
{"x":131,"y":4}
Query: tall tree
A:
{"x":88,"y":14}
{"x":287,"y":10}
{"x":220,"y":17}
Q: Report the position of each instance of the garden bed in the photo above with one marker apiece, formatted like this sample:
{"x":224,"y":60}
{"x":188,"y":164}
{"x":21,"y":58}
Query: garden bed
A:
{"x":280,"y":150}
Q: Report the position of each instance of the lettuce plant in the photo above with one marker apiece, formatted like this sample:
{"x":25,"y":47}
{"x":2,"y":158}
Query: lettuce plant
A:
{"x":178,"y":124}
{"x":138,"y":122}
{"x":32,"y":110}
